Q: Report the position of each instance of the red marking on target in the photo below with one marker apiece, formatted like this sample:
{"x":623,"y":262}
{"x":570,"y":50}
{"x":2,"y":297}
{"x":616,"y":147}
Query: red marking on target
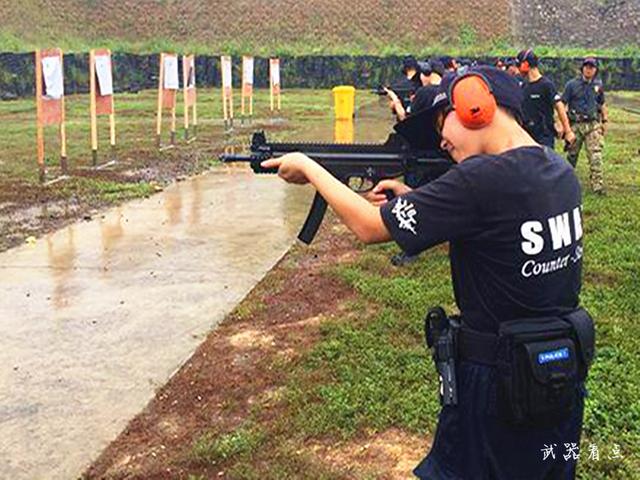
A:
{"x":51,"y":106}
{"x":104,"y":102}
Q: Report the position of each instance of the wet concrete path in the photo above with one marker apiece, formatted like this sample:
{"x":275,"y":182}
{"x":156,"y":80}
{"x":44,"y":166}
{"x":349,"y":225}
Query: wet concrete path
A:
{"x":97,"y":316}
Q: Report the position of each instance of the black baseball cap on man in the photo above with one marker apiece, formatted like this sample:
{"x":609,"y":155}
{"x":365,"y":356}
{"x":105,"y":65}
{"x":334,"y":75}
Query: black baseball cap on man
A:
{"x":593,"y":61}
{"x":425,"y":68}
{"x":437,"y":66}
{"x":528,"y":56}
{"x":419,"y":129}
{"x":409,"y":63}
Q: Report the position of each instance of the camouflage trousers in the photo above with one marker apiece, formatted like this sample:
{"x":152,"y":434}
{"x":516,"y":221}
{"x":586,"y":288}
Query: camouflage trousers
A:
{"x":589,"y":134}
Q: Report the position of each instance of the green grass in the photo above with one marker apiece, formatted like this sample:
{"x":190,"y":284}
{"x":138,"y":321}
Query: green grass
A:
{"x":370,"y":371}
{"x":464,"y":44}
{"x":239,"y":443}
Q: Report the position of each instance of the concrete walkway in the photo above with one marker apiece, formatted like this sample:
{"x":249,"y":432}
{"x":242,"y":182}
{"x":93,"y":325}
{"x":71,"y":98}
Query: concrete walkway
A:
{"x":97,"y":316}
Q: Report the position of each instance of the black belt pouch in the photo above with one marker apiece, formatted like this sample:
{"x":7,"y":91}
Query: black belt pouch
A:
{"x":539,"y":368}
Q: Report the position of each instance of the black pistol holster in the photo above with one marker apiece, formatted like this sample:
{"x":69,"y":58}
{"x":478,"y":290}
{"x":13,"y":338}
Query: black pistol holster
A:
{"x":441,"y":333}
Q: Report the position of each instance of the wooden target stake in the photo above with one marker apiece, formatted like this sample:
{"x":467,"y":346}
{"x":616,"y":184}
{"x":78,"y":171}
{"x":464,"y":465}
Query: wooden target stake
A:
{"x":227,"y":91}
{"x":189,"y":88}
{"x":247,"y":87}
{"x":101,"y":100}
{"x":49,"y":69}
{"x":167,"y":87}
{"x":274,"y":84}
{"x":39,"y":124}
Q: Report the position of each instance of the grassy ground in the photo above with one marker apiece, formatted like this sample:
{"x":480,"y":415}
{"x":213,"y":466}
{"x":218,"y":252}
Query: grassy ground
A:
{"x":140,"y":170}
{"x":465,"y":44}
{"x":370,"y":372}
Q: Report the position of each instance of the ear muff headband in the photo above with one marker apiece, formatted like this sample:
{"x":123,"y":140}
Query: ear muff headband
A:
{"x":471,"y":96}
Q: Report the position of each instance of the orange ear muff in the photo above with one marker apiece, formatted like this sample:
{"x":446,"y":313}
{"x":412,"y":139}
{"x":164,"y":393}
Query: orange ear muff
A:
{"x":473,"y":101}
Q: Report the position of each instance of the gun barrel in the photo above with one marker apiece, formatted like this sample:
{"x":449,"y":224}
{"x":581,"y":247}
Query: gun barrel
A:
{"x":233,"y":157}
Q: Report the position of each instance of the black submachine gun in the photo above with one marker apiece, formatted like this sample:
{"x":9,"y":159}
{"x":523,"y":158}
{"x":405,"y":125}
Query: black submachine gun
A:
{"x":403,"y":89}
{"x":360,"y":166}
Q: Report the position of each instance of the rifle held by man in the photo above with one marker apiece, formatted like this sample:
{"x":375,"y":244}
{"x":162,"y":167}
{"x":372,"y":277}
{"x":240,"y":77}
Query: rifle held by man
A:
{"x":360,"y":166}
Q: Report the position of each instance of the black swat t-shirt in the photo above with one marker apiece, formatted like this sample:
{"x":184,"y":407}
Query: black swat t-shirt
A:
{"x":514,"y":226}
{"x":423,"y":98}
{"x":540,"y":98}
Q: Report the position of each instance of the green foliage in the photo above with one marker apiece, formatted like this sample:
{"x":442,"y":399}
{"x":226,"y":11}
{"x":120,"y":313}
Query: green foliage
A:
{"x":467,"y":43}
{"x":467,"y":36}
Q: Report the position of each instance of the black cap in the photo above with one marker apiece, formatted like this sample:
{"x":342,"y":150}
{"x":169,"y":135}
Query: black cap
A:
{"x":425,"y":68}
{"x":505,"y":88}
{"x":529,"y":56}
{"x":409,"y":63}
{"x":419,"y":128}
{"x":510,"y":62}
{"x":437,"y":66}
{"x":593,"y":61}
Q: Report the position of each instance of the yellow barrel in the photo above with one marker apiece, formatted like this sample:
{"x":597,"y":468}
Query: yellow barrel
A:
{"x":343,"y":130}
{"x":344,"y":99}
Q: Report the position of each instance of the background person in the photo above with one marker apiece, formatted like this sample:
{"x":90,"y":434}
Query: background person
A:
{"x":584,"y":98}
{"x":540,"y":100}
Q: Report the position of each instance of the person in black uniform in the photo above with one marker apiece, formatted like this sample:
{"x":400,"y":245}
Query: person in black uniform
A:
{"x":540,"y":100}
{"x":511,"y":212}
{"x":411,"y":70}
{"x":431,"y":72}
{"x":410,"y":82}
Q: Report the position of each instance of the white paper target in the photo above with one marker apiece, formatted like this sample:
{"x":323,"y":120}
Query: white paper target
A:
{"x":171,"y":73}
{"x":226,"y":72}
{"x":103,"y":72}
{"x":53,"y":80}
{"x":275,"y":73}
{"x":247,"y":71}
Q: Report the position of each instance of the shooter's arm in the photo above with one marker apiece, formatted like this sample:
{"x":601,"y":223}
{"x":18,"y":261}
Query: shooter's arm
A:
{"x":356,"y":213}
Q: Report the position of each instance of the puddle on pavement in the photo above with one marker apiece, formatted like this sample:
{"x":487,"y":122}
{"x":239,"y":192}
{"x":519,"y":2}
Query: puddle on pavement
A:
{"x":97,"y":316}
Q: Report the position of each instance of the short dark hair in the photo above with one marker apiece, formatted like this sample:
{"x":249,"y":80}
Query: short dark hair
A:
{"x":447,"y":61}
{"x":409,"y":63}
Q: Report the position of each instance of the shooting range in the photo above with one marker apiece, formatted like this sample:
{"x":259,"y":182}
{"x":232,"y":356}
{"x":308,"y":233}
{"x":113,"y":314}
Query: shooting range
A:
{"x":190,"y":98}
{"x":274,"y":84}
{"x":246,"y":105}
{"x":168,"y":85}
{"x":227,"y":91}
{"x":50,"y":108}
{"x":101,"y":102}
{"x":190,"y":298}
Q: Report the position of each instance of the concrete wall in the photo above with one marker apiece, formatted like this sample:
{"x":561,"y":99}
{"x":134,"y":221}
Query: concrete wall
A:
{"x":586,"y":23}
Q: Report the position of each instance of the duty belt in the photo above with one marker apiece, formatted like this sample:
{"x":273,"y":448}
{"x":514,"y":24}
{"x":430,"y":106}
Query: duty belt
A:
{"x":582,"y":118}
{"x":478,"y":347}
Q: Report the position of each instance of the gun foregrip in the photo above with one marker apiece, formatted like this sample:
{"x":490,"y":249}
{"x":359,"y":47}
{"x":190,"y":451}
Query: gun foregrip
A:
{"x":314,"y":219}
{"x":255,"y":166}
